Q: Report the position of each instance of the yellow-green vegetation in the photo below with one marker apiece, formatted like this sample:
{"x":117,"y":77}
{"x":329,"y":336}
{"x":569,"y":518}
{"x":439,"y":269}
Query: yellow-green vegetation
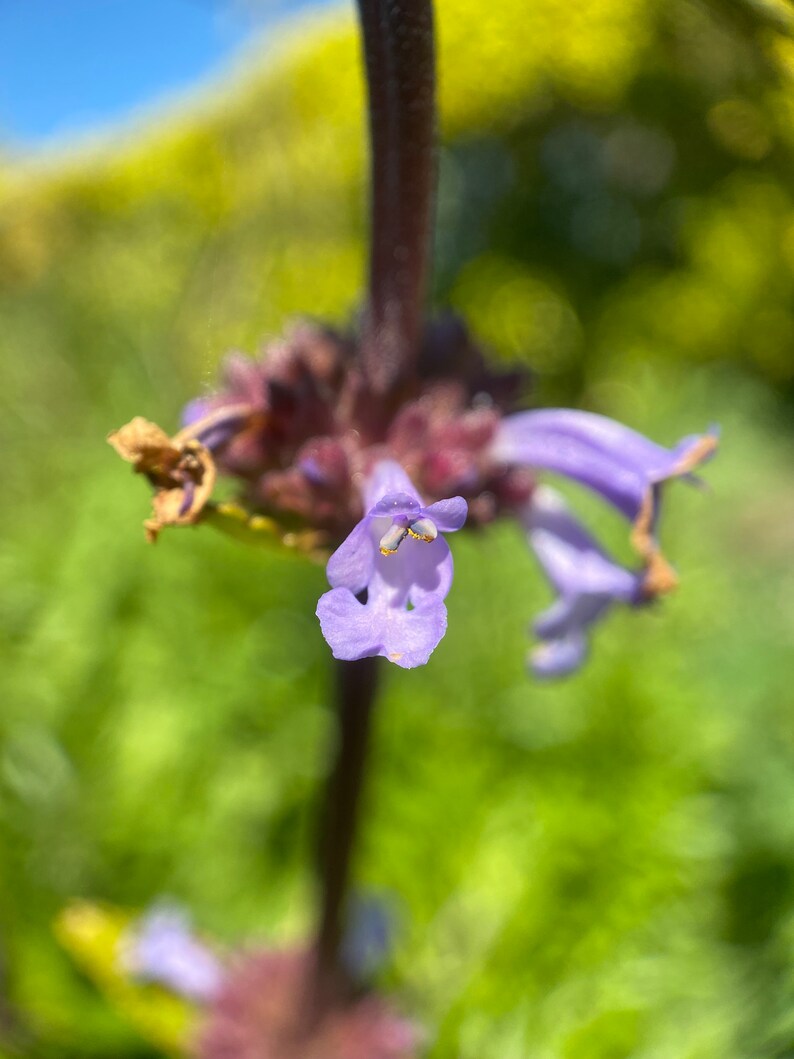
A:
{"x":597,"y":869}
{"x":96,"y":936}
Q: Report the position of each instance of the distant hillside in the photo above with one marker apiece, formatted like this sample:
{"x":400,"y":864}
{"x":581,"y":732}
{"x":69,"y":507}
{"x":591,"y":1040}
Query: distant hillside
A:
{"x":614,"y":184}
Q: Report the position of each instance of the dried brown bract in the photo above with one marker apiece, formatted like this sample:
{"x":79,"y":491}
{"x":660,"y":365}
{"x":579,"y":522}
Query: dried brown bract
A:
{"x":180,"y":469}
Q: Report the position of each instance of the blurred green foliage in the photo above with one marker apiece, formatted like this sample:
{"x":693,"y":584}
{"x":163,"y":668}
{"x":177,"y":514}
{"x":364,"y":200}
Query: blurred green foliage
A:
{"x":596,"y":869}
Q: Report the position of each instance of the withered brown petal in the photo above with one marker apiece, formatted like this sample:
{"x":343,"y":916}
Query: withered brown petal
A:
{"x":139,"y":439}
{"x":182,"y":473}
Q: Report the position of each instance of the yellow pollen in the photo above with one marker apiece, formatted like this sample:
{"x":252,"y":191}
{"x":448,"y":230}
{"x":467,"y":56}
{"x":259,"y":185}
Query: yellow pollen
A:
{"x":419,"y":536}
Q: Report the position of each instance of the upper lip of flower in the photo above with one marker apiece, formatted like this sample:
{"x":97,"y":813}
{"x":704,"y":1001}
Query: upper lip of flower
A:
{"x":212,"y":427}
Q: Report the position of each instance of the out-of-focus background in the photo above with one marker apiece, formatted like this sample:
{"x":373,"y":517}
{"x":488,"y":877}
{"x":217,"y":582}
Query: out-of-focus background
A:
{"x":592,"y":869}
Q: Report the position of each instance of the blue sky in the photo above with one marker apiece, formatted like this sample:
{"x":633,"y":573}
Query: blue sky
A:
{"x":70,"y":66}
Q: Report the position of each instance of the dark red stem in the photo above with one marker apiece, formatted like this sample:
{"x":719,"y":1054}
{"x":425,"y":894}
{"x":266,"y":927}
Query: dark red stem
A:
{"x":399,"y":52}
{"x":356,"y":688}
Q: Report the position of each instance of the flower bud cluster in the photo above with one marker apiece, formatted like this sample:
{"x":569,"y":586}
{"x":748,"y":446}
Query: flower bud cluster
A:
{"x":314,"y":431}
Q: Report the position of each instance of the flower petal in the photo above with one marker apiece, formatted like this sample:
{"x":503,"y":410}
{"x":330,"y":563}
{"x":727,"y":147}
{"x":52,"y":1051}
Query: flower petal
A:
{"x":358,"y":630}
{"x":601,"y":454}
{"x":217,"y":426}
{"x":411,"y":636}
{"x":448,"y":515}
{"x":388,"y":478}
{"x":573,"y":561}
{"x":419,"y":569}
{"x":160,"y":947}
{"x":392,"y":505}
{"x":347,"y":626}
{"x":569,"y":614}
{"x":619,"y":483}
{"x":197,"y":409}
{"x":587,"y":580}
{"x":558,"y":658}
{"x":352,"y":563}
{"x":620,"y":442}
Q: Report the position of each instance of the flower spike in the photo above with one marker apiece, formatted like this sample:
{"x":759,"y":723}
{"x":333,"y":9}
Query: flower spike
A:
{"x":300,"y":427}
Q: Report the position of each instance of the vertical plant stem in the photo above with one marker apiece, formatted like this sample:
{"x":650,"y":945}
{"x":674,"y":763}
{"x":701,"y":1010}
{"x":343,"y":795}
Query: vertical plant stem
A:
{"x":399,"y":52}
{"x":356,"y":689}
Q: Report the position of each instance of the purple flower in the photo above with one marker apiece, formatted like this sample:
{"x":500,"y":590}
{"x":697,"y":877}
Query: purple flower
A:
{"x":587,"y":582}
{"x":396,"y":554}
{"x":601,"y":454}
{"x":160,"y":947}
{"x":619,"y":464}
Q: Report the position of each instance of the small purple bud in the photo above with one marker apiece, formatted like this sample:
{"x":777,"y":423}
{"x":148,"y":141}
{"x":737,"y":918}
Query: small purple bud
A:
{"x":160,"y":947}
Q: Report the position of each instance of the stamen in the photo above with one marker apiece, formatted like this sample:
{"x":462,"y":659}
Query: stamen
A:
{"x":392,"y":539}
{"x":423,"y":529}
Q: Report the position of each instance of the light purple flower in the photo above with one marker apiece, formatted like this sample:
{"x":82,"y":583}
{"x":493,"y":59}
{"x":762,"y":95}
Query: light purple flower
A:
{"x":587,"y":582}
{"x":601,"y":454}
{"x":397,"y":554}
{"x":619,"y":464}
{"x":161,"y":947}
